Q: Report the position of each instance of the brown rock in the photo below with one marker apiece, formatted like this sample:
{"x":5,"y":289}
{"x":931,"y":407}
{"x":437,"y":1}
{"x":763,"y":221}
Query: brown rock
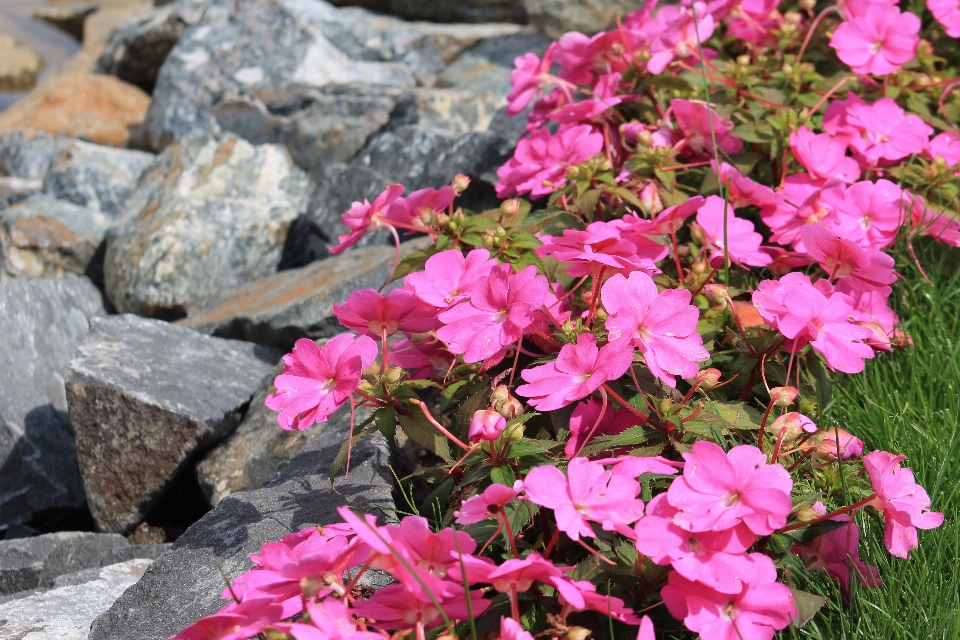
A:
{"x":18,"y":65}
{"x":93,"y":107}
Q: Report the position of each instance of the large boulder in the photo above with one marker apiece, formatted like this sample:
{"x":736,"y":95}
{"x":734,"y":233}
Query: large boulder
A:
{"x":446,"y":10}
{"x":209,"y":215}
{"x":247,"y":47}
{"x":185,"y":583}
{"x":145,"y":398}
{"x":556,"y":17}
{"x":29,"y":563}
{"x":42,"y":323}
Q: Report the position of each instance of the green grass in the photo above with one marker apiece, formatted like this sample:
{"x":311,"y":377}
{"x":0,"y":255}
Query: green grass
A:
{"x":908,"y":402}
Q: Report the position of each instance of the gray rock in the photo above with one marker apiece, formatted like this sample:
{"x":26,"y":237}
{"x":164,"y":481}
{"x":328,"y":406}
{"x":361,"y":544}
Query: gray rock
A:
{"x":43,"y":236}
{"x":207,"y":216}
{"x":29,"y":563}
{"x":42,"y":322}
{"x":486,"y":66}
{"x":133,"y":551}
{"x":69,"y":18}
{"x":139,"y":48}
{"x":459,"y":10}
{"x":144,"y":398}
{"x":29,"y":154}
{"x":65,"y":613}
{"x":242,"y":47}
{"x":185,"y":583}
{"x":556,"y":17}
{"x":13,"y":189}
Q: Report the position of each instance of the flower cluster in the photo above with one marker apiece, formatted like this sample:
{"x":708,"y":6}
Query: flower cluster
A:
{"x":616,"y":384}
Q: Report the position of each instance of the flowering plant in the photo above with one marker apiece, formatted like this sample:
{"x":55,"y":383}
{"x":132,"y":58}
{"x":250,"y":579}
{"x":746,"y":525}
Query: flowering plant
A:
{"x":619,"y":385}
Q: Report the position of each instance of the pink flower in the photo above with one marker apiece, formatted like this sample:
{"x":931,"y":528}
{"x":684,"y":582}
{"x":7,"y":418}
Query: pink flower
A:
{"x":539,"y":164}
{"x":742,"y":191}
{"x":802,"y":313}
{"x":662,"y":325}
{"x":529,"y":78}
{"x":580,"y":595}
{"x":861,"y":269}
{"x":510,"y":629}
{"x":878,"y":42}
{"x":743,"y":242}
{"x":756,"y":613}
{"x":316,"y":381}
{"x":578,"y":371}
{"x":946,"y":13}
{"x":395,"y":607}
{"x":945,"y":145}
{"x":364,"y":217}
{"x":868,"y":213}
{"x":827,"y":447}
{"x":501,"y":306}
{"x":588,"y":493}
{"x":234,"y":622}
{"x":371,"y":314}
{"x":679,"y":35}
{"x":904,"y":503}
{"x":486,"y":424}
{"x":448,"y":277}
{"x":694,"y":119}
{"x":329,"y":620}
{"x":417,"y":209}
{"x":716,"y":559}
{"x":823,"y":155}
{"x":797,"y":204}
{"x":513,"y":576}
{"x":837,"y":554}
{"x":604,"y":98}
{"x":488,"y":504}
{"x":718,"y":490}
{"x":884,"y":132}
{"x":584,"y":418}
{"x":792,"y":424}
{"x":935,"y":224}
{"x":871,"y":306}
{"x":600,"y":246}
{"x":422,"y":358}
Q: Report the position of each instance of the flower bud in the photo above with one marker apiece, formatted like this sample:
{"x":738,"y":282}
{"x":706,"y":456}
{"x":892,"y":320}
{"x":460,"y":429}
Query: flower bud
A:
{"x":499,"y":395}
{"x":629,"y":130}
{"x":806,"y":513}
{"x":699,"y":268}
{"x":827,"y":447}
{"x":708,"y":378}
{"x":393,"y":375}
{"x":510,"y":207}
{"x":743,"y":60}
{"x":696,"y":232}
{"x":505,"y":404}
{"x":717,"y":294}
{"x":577,"y":633}
{"x":515,"y":431}
{"x":366,"y":388}
{"x":783,"y":396}
{"x":486,"y":424}
{"x":808,"y":5}
{"x":650,"y":199}
{"x":644,"y":138}
{"x":311,"y":586}
{"x":792,"y":425}
{"x":460,"y":183}
{"x":878,"y":339}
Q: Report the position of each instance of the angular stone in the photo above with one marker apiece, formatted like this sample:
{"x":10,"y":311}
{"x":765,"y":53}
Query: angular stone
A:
{"x":556,"y":17}
{"x":185,"y":583}
{"x":145,"y":397}
{"x":93,"y":107}
{"x":69,"y":18}
{"x":42,"y":322}
{"x":139,"y":48}
{"x":13,"y":190}
{"x":260,"y":46}
{"x":18,"y":65}
{"x":42,"y":236}
{"x":29,"y":563}
{"x":209,"y":215}
{"x":28,"y":153}
{"x":297,"y":303}
{"x":65,"y":613}
{"x":486,"y":66}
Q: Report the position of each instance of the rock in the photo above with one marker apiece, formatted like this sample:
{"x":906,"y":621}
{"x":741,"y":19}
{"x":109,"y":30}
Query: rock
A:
{"x":29,"y":563}
{"x":132,"y":551}
{"x":42,"y":322}
{"x":42,"y":236}
{"x":185,"y":583}
{"x":460,"y":10}
{"x":209,"y":215}
{"x":139,"y":48}
{"x":65,"y":613}
{"x":13,"y":190}
{"x":297,"y":303}
{"x":18,"y":65}
{"x":144,"y":398}
{"x":486,"y":66}
{"x":29,"y":154}
{"x":112,"y":16}
{"x":556,"y":17}
{"x":94,"y":107}
{"x":69,"y":18}
{"x":242,"y":47}
{"x":96,"y":176}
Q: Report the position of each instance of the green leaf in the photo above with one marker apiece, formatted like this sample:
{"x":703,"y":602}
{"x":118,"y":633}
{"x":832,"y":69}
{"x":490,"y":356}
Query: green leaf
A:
{"x":419,"y":429}
{"x":807,"y":606}
{"x":737,"y":415}
{"x":808,"y":534}
{"x":415,"y":261}
{"x":503,"y":475}
{"x":386,"y":420}
{"x":525,"y":447}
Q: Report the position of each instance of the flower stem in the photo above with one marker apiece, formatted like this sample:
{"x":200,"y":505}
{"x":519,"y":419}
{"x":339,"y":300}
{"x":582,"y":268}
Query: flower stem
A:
{"x":852,"y":507}
{"x":440,"y":427}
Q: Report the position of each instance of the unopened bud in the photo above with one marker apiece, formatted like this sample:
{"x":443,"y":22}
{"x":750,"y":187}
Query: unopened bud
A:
{"x":577,"y":633}
{"x":792,"y":425}
{"x":806,"y":513}
{"x":834,"y":441}
{"x":696,"y":232}
{"x":924,"y":49}
{"x":515,"y":431}
{"x":460,"y":183}
{"x":511,"y":409}
{"x":878,"y":339}
{"x":664,"y":405}
{"x":698,"y":268}
{"x":510,"y":207}
{"x":717,"y":294}
{"x":644,"y":138}
{"x":650,"y":199}
{"x":500,"y":394}
{"x":743,"y":60}
{"x":783,"y":396}
{"x":708,"y":378}
{"x":792,"y":17}
{"x":808,"y":5}
{"x":393,"y":375}
{"x":486,"y":424}
{"x":366,"y":388}
{"x":787,"y":68}
{"x":311,"y":586}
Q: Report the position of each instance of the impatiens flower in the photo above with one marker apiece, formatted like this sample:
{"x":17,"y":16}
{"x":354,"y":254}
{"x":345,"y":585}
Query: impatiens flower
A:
{"x":488,"y":504}
{"x":792,"y":424}
{"x":936,"y":224}
{"x":718,"y":490}
{"x":798,"y":203}
{"x":947,"y":13}
{"x":371,"y":314}
{"x":904,"y":503}
{"x":584,"y":426}
{"x":394,"y":607}
{"x":878,"y":42}
{"x":600,"y":246}
{"x":694,"y":120}
{"x":529,"y":78}
{"x":679,"y":36}
{"x":717,"y":559}
{"x":510,"y":629}
{"x":500,"y":307}
{"x":316,"y":381}
{"x":756,"y":613}
{"x":514,"y":576}
{"x":486,"y":424}
{"x":803,"y":314}
{"x":742,"y":241}
{"x":662,"y":325}
{"x":837,"y":554}
{"x":418,"y":208}
{"x":539,"y":164}
{"x":868,"y":213}
{"x":604,"y":98}
{"x":836,"y":441}
{"x":580,"y":595}
{"x":823,"y":155}
{"x":422,"y":358}
{"x":861,"y":269}
{"x":588,"y":493}
{"x":871,"y":306}
{"x":742,"y":191}
{"x":236,"y":621}
{"x":364,"y":217}
{"x":579,"y":370}
{"x":330,"y":619}
{"x":884,"y":132}
{"x":946,"y":146}
{"x":448,"y":277}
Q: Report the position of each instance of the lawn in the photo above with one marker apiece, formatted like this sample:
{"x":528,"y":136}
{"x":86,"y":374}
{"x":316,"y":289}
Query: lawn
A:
{"x":908,"y":402}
